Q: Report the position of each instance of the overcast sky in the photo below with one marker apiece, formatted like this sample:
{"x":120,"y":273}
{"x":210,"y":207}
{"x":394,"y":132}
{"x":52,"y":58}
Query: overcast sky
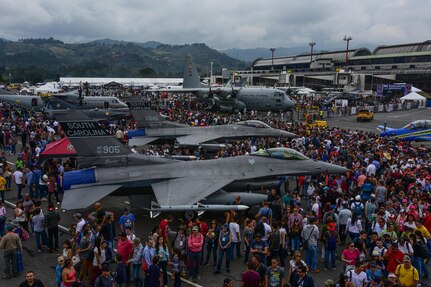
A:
{"x":220,"y":23}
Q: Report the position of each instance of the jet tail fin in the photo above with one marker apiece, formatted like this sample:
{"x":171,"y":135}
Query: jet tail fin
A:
{"x":144,"y":116}
{"x":91,"y":140}
{"x":191,"y":77}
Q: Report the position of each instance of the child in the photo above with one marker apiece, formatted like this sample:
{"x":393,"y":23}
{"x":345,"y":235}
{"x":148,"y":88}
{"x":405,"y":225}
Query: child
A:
{"x":176,"y":267}
{"x":155,"y":273}
{"x":120,"y":271}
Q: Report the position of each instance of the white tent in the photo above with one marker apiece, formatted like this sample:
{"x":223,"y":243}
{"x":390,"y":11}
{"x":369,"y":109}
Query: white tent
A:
{"x":52,"y":87}
{"x":415,"y":97}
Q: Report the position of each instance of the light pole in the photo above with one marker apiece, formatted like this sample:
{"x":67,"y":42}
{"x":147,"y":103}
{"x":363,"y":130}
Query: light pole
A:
{"x":347,"y":39}
{"x":272,"y":57}
{"x":211,"y":72}
{"x":312,"y":44}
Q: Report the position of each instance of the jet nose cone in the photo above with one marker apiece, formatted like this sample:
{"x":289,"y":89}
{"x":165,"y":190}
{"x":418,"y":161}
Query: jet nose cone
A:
{"x":331,"y":168}
{"x":286,"y":134}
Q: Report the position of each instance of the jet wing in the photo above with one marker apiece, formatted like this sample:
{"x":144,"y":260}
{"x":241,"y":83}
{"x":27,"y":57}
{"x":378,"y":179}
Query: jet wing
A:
{"x":74,"y":198}
{"x":196,"y":139}
{"x":139,"y":141}
{"x":186,"y":190}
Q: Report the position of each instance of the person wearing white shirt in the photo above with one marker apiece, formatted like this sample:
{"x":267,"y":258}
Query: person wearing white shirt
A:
{"x":236,"y":238}
{"x":18,"y":178}
{"x":357,"y":276}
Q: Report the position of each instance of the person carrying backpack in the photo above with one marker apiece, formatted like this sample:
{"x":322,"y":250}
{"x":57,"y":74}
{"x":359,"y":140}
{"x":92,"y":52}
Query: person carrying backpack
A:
{"x":330,"y":239}
{"x":265,"y":211}
{"x":357,"y":207}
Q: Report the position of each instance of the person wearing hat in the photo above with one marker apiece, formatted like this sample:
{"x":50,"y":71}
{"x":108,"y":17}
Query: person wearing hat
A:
{"x":329,"y":283}
{"x":11,"y":244}
{"x":227,"y":282}
{"x":374,"y":272}
{"x":330,"y":240}
{"x":393,"y":279}
{"x":195,"y":242}
{"x":224,"y":243}
{"x":179,"y":239}
{"x":407,"y":275}
{"x":126,"y":220}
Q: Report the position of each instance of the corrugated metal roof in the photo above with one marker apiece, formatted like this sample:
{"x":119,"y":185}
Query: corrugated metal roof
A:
{"x":336,"y":56}
{"x":412,"y":54}
{"x":403,"y":48}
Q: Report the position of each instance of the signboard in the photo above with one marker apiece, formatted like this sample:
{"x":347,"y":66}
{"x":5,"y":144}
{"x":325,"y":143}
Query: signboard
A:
{"x":404,"y":89}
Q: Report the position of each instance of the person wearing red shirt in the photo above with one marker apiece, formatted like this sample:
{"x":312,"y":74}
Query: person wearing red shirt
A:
{"x":125,"y":249}
{"x":394,"y":257}
{"x":164,"y":226}
{"x":250,"y":278}
{"x":203,"y":226}
{"x":427,"y":219}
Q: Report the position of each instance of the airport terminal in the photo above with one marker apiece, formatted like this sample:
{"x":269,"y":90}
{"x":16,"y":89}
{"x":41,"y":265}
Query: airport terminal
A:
{"x":362,"y":68}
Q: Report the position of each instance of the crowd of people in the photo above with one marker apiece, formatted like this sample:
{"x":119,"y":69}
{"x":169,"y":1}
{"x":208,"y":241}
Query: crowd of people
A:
{"x":373,"y":223}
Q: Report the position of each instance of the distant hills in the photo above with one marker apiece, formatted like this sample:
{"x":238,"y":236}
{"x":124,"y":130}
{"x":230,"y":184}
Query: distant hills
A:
{"x":249,"y":55}
{"x":37,"y":60}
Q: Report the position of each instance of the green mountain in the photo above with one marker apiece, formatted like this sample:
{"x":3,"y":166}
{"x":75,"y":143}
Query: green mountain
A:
{"x":37,"y":60}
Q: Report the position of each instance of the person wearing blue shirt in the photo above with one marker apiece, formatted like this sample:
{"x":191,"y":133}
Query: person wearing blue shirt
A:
{"x":127,"y":220}
{"x":374,"y":273}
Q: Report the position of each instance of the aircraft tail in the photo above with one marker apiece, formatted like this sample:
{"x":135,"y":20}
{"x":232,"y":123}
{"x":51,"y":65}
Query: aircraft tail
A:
{"x":144,"y":116}
{"x":191,"y":77}
{"x":91,"y":140}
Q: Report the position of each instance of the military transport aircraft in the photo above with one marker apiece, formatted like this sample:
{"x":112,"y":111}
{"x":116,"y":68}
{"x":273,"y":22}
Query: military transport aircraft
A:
{"x":415,"y":131}
{"x":37,"y":102}
{"x":153,"y":127}
{"x":170,"y":183}
{"x":233,"y":98}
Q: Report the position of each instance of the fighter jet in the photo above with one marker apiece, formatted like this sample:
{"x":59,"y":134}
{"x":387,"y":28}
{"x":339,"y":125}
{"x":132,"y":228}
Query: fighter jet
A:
{"x":415,"y":131}
{"x":233,"y":98}
{"x":83,"y":102}
{"x":168,"y":182}
{"x":153,"y":127}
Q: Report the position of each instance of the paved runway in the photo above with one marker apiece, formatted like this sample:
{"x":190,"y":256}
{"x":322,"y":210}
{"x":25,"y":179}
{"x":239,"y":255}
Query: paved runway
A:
{"x":44,"y":264}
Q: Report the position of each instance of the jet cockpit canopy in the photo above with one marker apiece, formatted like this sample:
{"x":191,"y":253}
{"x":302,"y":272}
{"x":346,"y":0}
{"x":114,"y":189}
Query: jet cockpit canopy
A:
{"x":280,"y":153}
{"x":254,"y":123}
{"x":420,"y":124}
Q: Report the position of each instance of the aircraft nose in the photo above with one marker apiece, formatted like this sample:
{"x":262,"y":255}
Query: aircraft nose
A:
{"x":330,"y":168}
{"x":289,"y":104}
{"x":286,"y":134}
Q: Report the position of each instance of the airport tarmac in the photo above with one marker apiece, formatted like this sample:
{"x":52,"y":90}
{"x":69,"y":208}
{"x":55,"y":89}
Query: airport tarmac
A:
{"x":44,"y":263}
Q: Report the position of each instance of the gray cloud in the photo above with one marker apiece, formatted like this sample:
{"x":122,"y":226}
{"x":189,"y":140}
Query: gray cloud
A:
{"x":220,"y":24}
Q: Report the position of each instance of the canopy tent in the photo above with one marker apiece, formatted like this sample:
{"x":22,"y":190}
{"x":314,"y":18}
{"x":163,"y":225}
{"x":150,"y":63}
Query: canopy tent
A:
{"x":415,"y":97}
{"x":60,"y":148}
{"x":52,"y":87}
